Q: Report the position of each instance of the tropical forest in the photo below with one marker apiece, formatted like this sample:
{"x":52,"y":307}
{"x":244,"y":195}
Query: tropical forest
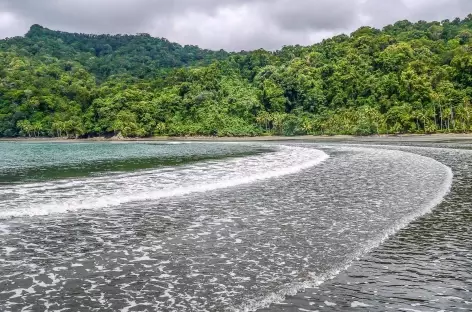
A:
{"x":405,"y":78}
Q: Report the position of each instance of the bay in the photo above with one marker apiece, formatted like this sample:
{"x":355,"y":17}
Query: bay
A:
{"x":234,"y":227}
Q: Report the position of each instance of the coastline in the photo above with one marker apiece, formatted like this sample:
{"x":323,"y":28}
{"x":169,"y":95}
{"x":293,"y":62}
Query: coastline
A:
{"x":312,"y":138}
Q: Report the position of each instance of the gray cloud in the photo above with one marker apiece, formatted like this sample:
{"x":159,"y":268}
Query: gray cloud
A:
{"x":315,"y":15}
{"x":228,"y":24}
{"x":391,"y":11}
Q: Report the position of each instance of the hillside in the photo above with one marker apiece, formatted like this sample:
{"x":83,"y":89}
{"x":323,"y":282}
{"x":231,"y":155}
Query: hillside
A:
{"x":406,"y":78}
{"x":104,"y":55}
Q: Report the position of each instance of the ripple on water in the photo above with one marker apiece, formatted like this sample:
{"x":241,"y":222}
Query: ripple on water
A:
{"x":424,"y":267}
{"x":65,"y":196}
{"x":235,"y":248}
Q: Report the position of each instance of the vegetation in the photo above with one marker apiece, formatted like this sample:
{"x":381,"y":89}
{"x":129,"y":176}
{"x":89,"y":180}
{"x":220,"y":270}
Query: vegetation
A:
{"x":406,"y":78}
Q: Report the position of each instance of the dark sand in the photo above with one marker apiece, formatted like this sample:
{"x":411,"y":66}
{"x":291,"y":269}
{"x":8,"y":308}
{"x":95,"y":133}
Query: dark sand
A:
{"x":308,"y":138}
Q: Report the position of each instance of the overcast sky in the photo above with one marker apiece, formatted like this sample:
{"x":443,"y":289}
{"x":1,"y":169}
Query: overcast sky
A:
{"x":228,"y":24}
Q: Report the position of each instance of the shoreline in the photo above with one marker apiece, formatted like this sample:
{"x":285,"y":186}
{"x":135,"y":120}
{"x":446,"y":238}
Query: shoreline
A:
{"x":313,"y":138}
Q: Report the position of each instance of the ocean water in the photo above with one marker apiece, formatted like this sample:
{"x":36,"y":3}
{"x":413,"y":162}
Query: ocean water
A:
{"x":234,"y":227}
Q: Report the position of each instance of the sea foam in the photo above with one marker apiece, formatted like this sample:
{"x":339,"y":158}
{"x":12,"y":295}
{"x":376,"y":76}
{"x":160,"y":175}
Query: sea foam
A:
{"x":65,"y":196}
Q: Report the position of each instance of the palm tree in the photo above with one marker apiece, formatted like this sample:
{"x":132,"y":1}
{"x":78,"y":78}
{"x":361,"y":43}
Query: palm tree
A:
{"x":264,"y":118}
{"x":25,"y":126}
{"x":37,"y":127}
{"x":278,"y":120}
{"x":307,"y":125}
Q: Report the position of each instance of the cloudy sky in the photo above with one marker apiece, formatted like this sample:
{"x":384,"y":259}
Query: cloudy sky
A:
{"x":227,"y":24}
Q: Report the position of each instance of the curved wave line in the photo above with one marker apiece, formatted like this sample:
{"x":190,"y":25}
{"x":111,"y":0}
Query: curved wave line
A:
{"x":317,"y":280}
{"x":314,"y":156}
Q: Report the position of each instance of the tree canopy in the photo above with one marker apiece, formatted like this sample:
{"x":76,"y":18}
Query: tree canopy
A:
{"x":406,"y":78}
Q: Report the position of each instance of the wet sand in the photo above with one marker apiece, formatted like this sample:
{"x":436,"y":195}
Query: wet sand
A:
{"x":310,"y":138}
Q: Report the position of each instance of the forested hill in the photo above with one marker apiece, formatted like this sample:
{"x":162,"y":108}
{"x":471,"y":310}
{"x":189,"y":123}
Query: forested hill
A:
{"x":104,"y":55}
{"x":405,"y":78}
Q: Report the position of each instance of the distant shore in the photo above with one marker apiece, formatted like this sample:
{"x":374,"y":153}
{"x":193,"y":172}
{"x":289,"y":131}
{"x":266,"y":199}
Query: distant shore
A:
{"x":311,"y":138}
